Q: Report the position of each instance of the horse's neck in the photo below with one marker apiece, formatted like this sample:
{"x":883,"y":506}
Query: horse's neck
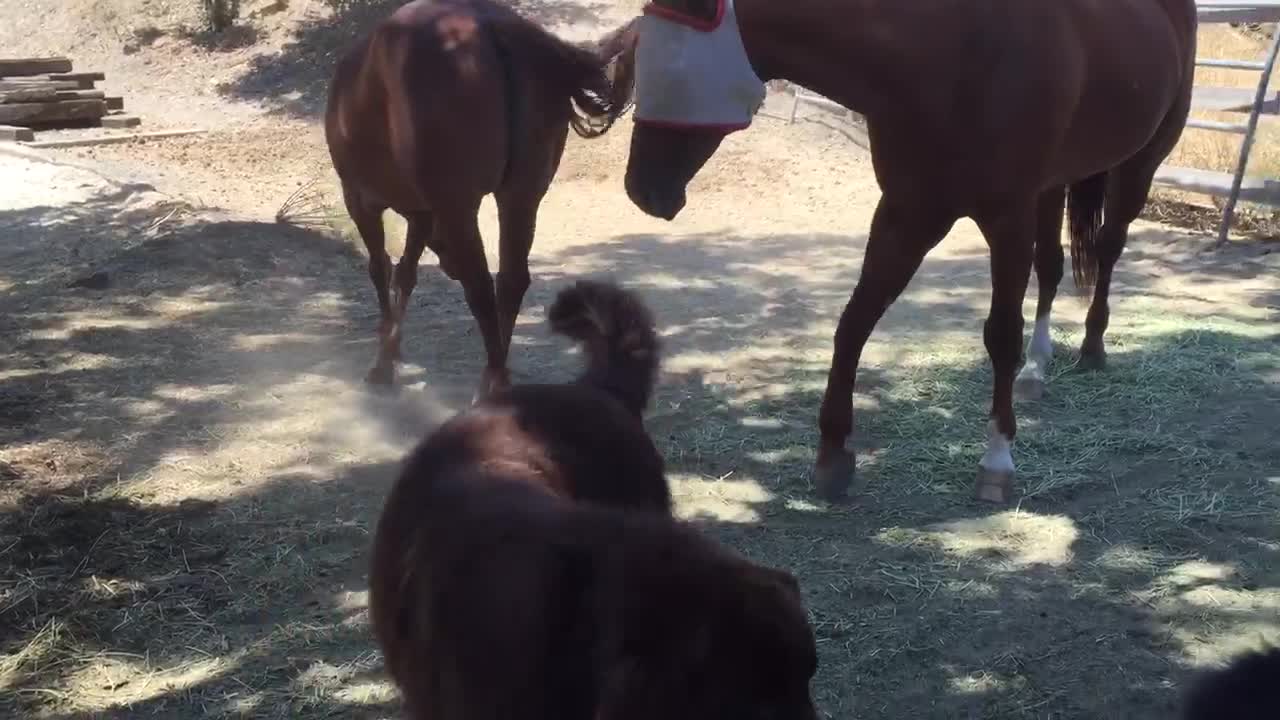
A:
{"x":843,"y":49}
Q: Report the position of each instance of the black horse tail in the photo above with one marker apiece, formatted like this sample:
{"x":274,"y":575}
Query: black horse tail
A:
{"x":1085,"y":199}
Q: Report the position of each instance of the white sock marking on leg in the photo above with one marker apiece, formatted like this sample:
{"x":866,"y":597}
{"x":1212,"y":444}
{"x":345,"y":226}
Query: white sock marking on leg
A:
{"x":999,"y":455}
{"x":1039,"y":352}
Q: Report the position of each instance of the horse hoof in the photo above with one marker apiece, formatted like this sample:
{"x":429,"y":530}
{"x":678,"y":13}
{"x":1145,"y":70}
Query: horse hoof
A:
{"x":381,"y":376}
{"x":1093,"y":360}
{"x":994,"y":486}
{"x":833,"y":478}
{"x":491,"y":381}
{"x":1028,"y":388}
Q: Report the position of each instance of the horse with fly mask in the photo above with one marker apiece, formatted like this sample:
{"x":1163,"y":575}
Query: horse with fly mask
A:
{"x":1002,"y":111}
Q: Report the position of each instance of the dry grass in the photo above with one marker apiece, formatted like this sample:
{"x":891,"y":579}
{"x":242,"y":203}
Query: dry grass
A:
{"x":137,"y":607}
{"x":1137,"y":457}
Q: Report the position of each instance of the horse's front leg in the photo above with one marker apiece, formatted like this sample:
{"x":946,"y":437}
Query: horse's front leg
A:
{"x":901,"y":236}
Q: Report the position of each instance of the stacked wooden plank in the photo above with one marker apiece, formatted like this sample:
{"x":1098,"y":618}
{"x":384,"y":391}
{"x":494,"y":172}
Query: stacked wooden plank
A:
{"x":38,"y":93}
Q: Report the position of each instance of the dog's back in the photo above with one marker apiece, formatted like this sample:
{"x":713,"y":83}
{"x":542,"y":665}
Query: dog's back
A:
{"x":468,"y":598}
{"x":494,"y":598}
{"x":585,"y":440}
{"x":472,"y":557}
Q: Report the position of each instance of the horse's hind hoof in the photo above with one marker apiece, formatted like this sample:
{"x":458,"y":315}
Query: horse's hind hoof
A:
{"x":1093,"y":360}
{"x":833,"y":477}
{"x":1028,"y":387}
{"x":381,"y":376}
{"x":492,"y":380}
{"x":994,"y":486}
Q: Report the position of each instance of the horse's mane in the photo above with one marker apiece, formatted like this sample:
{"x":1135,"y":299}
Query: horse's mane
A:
{"x":581,"y":71}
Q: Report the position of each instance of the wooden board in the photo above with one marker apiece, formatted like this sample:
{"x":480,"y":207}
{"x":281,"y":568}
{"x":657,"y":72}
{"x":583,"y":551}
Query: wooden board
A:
{"x":35,"y":93}
{"x":121,"y":121}
{"x":1263,"y":191}
{"x":28,"y":83}
{"x":115,"y":103}
{"x":81,"y":95}
{"x":42,"y":94}
{"x":1230,"y":99}
{"x":12,"y":67}
{"x":16,"y":134}
{"x":1236,"y":11}
{"x":110,"y":139}
{"x":53,"y":112}
{"x":84,"y":80}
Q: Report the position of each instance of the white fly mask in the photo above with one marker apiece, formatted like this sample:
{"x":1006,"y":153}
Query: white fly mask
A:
{"x":694,"y":73}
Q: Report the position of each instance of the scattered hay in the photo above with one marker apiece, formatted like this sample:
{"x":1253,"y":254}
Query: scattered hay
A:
{"x":307,"y":207}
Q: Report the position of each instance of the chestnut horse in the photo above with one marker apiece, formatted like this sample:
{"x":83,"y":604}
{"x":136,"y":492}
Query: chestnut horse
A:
{"x":442,"y":103}
{"x":1002,"y":111}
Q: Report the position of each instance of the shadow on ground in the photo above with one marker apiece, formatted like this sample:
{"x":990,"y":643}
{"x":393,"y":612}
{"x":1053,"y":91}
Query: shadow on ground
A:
{"x":192,"y":470}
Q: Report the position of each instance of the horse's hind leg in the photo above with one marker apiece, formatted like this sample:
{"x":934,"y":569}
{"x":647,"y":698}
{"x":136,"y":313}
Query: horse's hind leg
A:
{"x":1049,"y":261}
{"x":1128,"y":186}
{"x":1010,"y":239}
{"x":518,"y":202}
{"x":368,"y":222}
{"x":461,"y":249}
{"x":1127,"y":189}
{"x":416,"y":240}
{"x":517,"y":218}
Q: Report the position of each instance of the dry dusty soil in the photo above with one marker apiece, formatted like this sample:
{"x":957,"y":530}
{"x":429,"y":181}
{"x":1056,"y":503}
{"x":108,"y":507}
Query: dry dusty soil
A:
{"x":190,"y":464}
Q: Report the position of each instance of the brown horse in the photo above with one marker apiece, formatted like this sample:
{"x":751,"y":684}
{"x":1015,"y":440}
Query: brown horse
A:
{"x":443,"y":103}
{"x":997,"y":110}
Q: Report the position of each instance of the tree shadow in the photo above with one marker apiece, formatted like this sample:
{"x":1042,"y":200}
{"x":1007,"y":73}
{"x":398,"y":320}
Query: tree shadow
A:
{"x":295,"y":80}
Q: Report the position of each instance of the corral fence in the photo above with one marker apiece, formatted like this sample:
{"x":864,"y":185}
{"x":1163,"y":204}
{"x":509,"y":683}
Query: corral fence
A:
{"x":1252,"y":103}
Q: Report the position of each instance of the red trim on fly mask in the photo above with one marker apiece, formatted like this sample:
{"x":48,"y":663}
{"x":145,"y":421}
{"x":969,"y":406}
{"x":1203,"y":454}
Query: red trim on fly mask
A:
{"x":723,"y":129}
{"x":696,"y":23}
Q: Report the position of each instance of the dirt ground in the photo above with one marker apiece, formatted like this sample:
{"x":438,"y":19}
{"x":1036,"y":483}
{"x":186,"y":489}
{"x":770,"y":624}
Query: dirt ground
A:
{"x":190,"y":465}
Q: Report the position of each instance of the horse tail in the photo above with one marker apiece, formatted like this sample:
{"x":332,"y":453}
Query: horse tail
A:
{"x":1085,"y":200}
{"x":617,"y":335}
{"x":581,"y":72}
{"x":616,"y":52}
